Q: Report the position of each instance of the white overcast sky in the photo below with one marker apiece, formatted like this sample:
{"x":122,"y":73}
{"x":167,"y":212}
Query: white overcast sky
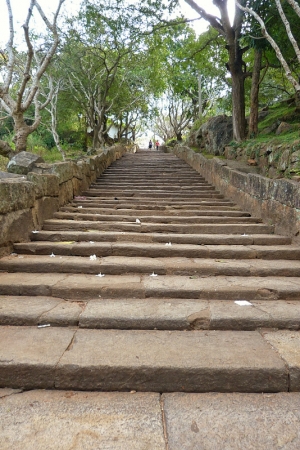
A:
{"x":20,"y":8}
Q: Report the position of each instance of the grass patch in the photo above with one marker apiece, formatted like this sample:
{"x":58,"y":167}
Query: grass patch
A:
{"x":3,"y":163}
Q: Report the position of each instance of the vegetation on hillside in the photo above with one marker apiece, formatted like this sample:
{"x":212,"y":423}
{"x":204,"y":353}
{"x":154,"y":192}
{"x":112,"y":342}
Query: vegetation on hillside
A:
{"x":114,"y":69}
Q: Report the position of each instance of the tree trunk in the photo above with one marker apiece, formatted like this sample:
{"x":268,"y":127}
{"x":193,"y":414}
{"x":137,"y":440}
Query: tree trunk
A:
{"x":179,"y":136}
{"x":297,"y":100}
{"x":254,"y":96}
{"x":235,"y":65}
{"x":22,"y":131}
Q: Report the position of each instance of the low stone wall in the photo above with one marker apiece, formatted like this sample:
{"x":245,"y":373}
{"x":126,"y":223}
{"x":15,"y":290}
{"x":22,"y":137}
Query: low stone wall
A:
{"x":277,"y":202}
{"x":26,"y":201}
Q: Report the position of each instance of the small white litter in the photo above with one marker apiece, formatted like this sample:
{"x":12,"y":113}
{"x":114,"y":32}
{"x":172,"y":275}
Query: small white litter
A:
{"x":138,"y":221}
{"x":168,"y":243}
{"x":153,"y":275}
{"x":92,"y":242}
{"x":243,"y":303}
{"x":44,"y":326}
{"x":52,"y":255}
{"x":35,"y":231}
{"x":79,"y":207}
{"x":93,"y":257}
{"x":100,"y":275}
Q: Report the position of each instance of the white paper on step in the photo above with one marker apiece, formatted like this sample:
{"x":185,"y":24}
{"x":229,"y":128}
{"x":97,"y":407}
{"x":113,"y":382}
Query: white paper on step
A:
{"x":243,"y":303}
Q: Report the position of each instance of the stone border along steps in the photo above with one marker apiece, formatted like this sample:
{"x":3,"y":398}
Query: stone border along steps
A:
{"x":176,"y":257}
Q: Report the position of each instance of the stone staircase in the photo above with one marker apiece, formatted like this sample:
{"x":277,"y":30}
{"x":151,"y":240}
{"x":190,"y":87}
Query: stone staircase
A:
{"x":151,"y":281}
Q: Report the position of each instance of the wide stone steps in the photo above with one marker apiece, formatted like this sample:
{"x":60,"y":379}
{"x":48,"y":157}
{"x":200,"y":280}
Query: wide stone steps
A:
{"x":134,"y":203}
{"x":195,"y":296}
{"x":87,"y":286}
{"x":149,"y":313}
{"x":211,"y":226}
{"x":168,"y":265}
{"x":93,"y":236}
{"x":157,"y":250}
{"x":156,"y":360}
{"x":203,"y":218}
{"x":145,"y":213}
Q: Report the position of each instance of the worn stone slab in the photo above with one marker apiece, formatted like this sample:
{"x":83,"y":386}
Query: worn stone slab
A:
{"x":63,"y":314}
{"x":55,"y":420}
{"x":227,"y":315}
{"x":17,"y":310}
{"x":117,"y":265}
{"x":232,"y":421}
{"x":165,"y":314}
{"x":287,"y":344}
{"x":29,"y":355}
{"x":222,"y":287}
{"x":200,"y":239}
{"x":82,"y":287}
{"x":199,"y":219}
{"x":72,"y":286}
{"x":164,"y":361}
{"x":257,"y":228}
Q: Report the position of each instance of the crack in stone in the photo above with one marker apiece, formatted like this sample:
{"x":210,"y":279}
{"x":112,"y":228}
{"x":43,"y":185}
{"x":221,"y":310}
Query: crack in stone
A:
{"x":164,"y":422}
{"x":48,"y":310}
{"x":69,"y":346}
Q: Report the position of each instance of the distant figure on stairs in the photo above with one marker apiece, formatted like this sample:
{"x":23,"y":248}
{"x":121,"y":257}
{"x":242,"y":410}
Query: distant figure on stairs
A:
{"x":150,"y":144}
{"x":156,"y":145}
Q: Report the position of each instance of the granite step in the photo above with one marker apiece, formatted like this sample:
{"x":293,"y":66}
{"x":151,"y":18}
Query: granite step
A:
{"x":193,"y":239}
{"x":202,"y":218}
{"x":86,"y":286}
{"x":146,"y":213}
{"x":136,"y":203}
{"x":140,"y":420}
{"x":150,"y":313}
{"x":152,"y":194}
{"x":254,"y":253}
{"x":204,"y":228}
{"x":142,"y":360}
{"x":151,"y":209}
{"x":110,"y":264}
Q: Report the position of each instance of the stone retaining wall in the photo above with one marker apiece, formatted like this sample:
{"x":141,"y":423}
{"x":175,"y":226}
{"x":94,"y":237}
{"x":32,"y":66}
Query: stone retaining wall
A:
{"x":277,"y":202}
{"x":26,"y":201}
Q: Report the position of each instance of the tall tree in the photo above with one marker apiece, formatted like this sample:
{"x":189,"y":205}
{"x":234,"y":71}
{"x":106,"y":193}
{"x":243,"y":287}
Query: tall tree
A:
{"x":295,"y":9}
{"x":236,"y":65}
{"x":22,"y":75}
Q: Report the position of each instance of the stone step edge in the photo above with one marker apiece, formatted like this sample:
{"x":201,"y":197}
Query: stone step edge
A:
{"x":79,"y":287}
{"x":160,"y":361}
{"x":195,"y":239}
{"x":125,"y":249}
{"x":150,"y":313}
{"x":120,"y":265}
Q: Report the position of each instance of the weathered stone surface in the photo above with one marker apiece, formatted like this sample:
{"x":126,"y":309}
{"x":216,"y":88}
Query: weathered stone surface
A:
{"x":215,"y":134}
{"x":16,"y":226}
{"x":5,"y":175}
{"x":232,"y":421}
{"x":269,"y":199}
{"x":283,"y":127}
{"x":44,"y":208}
{"x":81,"y":420}
{"x":16,"y":310}
{"x":23,"y":163}
{"x":287,"y":344}
{"x":165,"y":361}
{"x":16,"y":195}
{"x":29,"y":356}
{"x":66,"y":193}
{"x":63,"y":170}
{"x":165,"y":314}
{"x":45,"y":185}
